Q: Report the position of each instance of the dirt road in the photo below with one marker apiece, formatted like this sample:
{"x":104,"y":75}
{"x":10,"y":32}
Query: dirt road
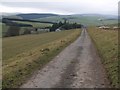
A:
{"x":77,"y":66}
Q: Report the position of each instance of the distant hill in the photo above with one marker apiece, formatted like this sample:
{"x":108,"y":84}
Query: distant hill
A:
{"x":12,"y":16}
{"x":86,"y":19}
{"x":99,"y":15}
{"x":35,"y":15}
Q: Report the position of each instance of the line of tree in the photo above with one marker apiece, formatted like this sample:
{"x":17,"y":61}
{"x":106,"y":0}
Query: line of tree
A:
{"x":4,"y":20}
{"x":65,"y":26}
{"x":11,"y":23}
{"x":71,"y":26}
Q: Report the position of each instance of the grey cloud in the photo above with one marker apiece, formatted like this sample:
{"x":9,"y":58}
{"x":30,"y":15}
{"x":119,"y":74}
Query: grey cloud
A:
{"x":66,"y":7}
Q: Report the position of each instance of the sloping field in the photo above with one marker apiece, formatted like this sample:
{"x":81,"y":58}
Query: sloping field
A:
{"x":24,"y":54}
{"x":106,"y":42}
{"x":36,"y":25}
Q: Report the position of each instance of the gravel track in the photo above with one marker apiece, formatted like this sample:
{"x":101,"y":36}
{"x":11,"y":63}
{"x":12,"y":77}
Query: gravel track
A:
{"x":77,"y":66}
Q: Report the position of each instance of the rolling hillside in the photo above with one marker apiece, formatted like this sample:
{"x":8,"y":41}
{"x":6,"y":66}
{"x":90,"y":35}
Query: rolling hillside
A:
{"x":86,"y":19}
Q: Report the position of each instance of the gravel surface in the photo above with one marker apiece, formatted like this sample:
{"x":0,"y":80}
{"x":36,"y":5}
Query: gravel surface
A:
{"x":77,"y":66}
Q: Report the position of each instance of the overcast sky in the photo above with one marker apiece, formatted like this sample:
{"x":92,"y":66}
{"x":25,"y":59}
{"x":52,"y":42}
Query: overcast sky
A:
{"x":60,"y":6}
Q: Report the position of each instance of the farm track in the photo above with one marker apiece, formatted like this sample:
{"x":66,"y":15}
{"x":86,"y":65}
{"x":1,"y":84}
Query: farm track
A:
{"x":77,"y":66}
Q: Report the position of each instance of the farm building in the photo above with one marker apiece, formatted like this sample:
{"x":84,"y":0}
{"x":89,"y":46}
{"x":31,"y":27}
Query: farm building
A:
{"x":57,"y":30}
{"x":43,"y":30}
{"x":39,"y":30}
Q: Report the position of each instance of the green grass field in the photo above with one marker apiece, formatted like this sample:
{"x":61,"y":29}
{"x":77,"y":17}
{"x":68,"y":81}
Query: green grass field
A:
{"x":24,"y":54}
{"x":36,"y":25}
{"x":106,"y":42}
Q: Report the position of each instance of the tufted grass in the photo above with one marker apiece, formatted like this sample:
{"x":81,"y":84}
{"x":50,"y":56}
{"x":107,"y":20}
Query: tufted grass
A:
{"x":106,"y":42}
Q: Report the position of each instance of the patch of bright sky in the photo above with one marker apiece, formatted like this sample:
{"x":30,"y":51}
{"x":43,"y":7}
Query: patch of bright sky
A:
{"x":60,"y":6}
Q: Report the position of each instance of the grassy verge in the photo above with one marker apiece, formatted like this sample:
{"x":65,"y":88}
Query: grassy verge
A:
{"x":106,"y":42}
{"x":31,"y":56}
